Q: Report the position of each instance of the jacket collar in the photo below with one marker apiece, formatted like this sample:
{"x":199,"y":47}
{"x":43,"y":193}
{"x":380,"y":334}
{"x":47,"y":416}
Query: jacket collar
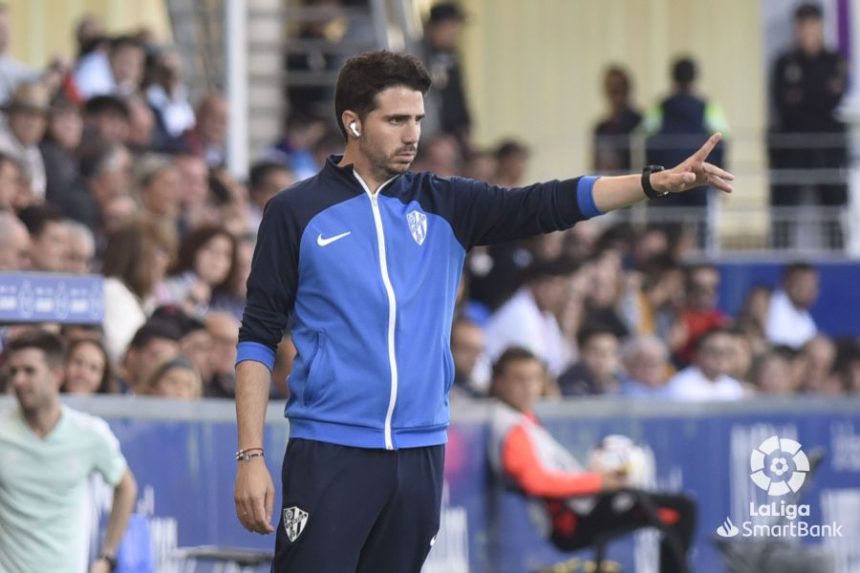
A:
{"x":347,"y":173}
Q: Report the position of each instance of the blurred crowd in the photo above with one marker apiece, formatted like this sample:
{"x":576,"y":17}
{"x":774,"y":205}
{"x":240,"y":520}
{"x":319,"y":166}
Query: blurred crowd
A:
{"x":107,"y":166}
{"x":613,"y":313}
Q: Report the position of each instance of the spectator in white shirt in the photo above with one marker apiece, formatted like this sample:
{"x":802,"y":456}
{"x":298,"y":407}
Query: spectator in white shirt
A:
{"x":528,"y":319}
{"x":789,"y":322}
{"x":707,"y":378}
{"x":117,"y":72}
{"x":168,"y":96}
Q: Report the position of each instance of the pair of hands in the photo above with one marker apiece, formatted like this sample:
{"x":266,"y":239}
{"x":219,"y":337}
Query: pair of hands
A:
{"x":254,"y":496}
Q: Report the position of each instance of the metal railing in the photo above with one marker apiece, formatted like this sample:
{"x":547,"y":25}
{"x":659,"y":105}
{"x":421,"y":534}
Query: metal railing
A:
{"x":807,"y":166}
{"x":725,"y":229}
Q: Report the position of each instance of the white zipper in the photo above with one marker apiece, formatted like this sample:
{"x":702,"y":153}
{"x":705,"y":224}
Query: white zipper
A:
{"x":392,"y":304}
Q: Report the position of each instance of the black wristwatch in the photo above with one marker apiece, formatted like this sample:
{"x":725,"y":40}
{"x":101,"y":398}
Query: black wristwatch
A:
{"x":111,"y":560}
{"x":650,"y":192}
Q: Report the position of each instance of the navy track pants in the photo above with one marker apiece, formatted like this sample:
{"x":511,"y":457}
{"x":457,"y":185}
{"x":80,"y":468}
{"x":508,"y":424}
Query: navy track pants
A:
{"x":351,"y":509}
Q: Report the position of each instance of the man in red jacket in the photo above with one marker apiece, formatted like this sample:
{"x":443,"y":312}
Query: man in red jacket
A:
{"x":582,"y":506}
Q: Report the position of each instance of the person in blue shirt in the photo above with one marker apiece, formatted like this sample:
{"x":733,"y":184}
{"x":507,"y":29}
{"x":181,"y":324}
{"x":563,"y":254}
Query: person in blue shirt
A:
{"x":363,"y":260}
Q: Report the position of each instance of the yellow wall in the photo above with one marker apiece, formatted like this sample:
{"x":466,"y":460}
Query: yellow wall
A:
{"x":41,"y":29}
{"x":534,"y":69}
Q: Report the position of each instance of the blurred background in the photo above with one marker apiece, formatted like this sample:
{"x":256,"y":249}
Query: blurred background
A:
{"x":140,"y":142}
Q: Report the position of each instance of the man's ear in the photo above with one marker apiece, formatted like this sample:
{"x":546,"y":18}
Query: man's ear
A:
{"x":351,"y":123}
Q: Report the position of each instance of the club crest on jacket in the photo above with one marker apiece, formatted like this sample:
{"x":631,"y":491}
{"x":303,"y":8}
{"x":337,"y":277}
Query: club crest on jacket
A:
{"x":417,"y":225}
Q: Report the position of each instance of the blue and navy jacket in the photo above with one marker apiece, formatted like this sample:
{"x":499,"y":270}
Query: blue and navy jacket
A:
{"x":370,"y":282}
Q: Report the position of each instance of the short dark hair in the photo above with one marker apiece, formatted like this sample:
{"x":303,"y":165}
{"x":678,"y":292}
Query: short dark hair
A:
{"x":445,"y":12}
{"x":126,"y":41}
{"x":694,"y":268}
{"x":260,"y":171}
{"x":183,"y":321}
{"x":365,"y":75}
{"x":709,"y":334}
{"x":49,"y":343}
{"x":510,"y":148}
{"x":155,"y":328}
{"x":807,"y":11}
{"x":510,"y":355}
{"x":616,"y":70}
{"x":589,"y":331}
{"x":684,"y":71}
{"x":100,"y":104}
{"x":37,"y":217}
{"x":796,"y":268}
{"x":181,"y":362}
{"x":300,"y":120}
{"x":559,"y":267}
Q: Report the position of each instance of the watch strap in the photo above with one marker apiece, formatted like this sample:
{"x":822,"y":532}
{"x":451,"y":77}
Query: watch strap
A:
{"x":649,"y":190}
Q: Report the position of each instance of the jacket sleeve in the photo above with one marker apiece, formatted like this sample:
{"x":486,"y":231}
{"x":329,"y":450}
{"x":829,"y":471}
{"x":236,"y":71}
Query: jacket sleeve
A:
{"x":272,"y":284}
{"x":522,"y":465}
{"x":485,"y":214}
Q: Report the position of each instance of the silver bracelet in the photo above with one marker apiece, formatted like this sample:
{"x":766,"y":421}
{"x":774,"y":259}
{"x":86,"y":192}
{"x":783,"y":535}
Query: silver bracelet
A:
{"x":249,"y":454}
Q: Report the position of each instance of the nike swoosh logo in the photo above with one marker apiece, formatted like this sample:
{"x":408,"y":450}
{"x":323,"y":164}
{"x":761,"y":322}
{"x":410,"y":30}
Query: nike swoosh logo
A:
{"x":322,"y":242}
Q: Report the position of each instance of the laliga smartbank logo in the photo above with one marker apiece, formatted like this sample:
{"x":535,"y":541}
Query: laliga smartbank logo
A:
{"x":788,"y":466}
{"x":779,"y":467}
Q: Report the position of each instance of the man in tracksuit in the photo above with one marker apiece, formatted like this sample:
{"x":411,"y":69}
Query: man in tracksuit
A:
{"x":365,"y":258}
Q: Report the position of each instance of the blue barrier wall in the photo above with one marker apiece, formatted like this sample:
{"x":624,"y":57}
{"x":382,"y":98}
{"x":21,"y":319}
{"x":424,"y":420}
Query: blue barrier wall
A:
{"x":182,"y":456}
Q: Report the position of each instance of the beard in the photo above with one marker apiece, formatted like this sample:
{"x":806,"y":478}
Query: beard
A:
{"x":385,"y":165}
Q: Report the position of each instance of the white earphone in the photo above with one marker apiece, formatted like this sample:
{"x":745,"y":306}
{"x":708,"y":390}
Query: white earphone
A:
{"x":354,"y":129}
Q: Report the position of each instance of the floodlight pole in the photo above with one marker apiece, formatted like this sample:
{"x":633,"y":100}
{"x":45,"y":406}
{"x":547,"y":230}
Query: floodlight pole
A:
{"x":236,"y":58}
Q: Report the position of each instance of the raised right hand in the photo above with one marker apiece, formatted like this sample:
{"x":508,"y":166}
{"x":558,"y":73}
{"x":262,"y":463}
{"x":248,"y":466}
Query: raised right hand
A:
{"x":254,"y":496}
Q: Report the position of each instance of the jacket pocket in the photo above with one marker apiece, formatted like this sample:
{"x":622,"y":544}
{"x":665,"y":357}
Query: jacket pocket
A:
{"x":447,"y":369}
{"x":316,"y":367}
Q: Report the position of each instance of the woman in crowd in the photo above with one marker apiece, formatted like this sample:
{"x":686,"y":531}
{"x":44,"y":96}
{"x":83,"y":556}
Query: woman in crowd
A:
{"x":88,"y":369}
{"x":135,"y":261}
{"x":206,"y":265}
{"x":158,"y":187}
